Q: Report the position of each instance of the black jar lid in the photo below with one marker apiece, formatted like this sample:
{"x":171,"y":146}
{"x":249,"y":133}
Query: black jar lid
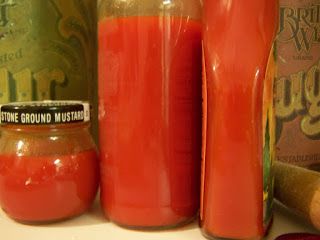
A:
{"x":44,"y":112}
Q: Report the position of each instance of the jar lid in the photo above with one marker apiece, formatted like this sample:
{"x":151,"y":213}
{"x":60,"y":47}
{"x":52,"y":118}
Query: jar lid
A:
{"x":44,"y":112}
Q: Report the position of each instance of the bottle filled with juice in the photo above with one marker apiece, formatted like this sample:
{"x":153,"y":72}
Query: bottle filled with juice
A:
{"x":150,"y":111}
{"x":239,"y":132}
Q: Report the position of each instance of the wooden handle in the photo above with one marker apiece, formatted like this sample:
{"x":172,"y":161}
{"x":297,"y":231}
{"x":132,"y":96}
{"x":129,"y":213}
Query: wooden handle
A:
{"x":299,"y":190}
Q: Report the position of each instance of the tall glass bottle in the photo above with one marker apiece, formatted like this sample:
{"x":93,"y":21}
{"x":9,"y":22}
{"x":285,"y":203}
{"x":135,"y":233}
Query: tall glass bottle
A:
{"x":239,"y":122}
{"x":150,"y":111}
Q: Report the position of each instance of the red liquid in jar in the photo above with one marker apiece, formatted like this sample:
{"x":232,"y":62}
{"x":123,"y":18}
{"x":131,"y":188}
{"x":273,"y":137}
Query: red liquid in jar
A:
{"x":150,"y":119}
{"x":237,"y":42}
{"x":48,"y":188}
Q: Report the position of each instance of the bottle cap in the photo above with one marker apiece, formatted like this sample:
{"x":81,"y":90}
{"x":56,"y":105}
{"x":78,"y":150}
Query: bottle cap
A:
{"x":44,"y":112}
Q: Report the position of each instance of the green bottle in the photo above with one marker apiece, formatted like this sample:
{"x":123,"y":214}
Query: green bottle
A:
{"x":47,"y":49}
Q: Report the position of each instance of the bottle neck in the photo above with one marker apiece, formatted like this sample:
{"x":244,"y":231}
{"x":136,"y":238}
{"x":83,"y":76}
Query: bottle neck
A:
{"x":119,"y":8}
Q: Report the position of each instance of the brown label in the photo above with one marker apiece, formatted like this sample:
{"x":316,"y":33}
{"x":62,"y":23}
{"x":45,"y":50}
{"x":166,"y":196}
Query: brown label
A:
{"x":297,"y":87}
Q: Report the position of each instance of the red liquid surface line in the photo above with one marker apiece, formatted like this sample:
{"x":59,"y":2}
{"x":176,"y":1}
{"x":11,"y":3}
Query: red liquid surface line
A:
{"x":150,"y":119}
{"x":237,"y":42}
{"x":48,"y":188}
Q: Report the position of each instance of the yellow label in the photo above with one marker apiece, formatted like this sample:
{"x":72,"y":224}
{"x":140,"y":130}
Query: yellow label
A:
{"x":297,"y":87}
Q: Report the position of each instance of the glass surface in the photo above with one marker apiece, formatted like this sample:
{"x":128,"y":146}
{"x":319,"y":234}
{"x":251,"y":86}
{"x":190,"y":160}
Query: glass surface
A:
{"x":150,"y":111}
{"x":239,"y":136}
{"x":47,"y":173}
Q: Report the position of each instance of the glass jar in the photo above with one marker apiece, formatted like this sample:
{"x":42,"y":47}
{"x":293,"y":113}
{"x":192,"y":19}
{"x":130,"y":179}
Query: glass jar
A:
{"x":150,"y":111}
{"x":48,"y":160}
{"x":239,"y":122}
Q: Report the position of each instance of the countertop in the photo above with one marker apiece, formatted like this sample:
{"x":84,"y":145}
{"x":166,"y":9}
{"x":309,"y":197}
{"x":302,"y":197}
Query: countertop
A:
{"x":94,"y":226}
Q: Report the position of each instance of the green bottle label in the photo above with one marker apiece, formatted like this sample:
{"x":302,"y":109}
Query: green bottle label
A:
{"x":268,"y":140}
{"x":47,"y":49}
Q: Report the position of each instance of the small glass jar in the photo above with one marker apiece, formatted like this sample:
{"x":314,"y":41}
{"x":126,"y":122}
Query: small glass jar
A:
{"x":48,"y":160}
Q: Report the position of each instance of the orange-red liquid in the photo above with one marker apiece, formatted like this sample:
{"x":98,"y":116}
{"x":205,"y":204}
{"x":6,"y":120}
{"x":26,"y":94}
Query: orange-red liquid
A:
{"x":238,"y":36}
{"x":150,"y":119}
{"x":48,"y":188}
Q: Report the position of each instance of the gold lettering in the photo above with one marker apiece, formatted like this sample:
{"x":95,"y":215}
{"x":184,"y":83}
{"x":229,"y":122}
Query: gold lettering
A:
{"x":299,"y":25}
{"x":4,"y":86}
{"x":313,"y":91}
{"x":310,"y":124}
{"x":4,"y":4}
{"x":289,"y":95}
{"x":44,"y":80}
{"x":23,"y":81}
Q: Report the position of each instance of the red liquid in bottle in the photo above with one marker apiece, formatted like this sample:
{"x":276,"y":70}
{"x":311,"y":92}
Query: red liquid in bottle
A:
{"x":238,"y":38}
{"x":150,"y":119}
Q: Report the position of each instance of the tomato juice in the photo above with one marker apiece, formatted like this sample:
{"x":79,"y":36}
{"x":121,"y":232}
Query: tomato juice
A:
{"x":48,"y":188}
{"x":150,"y":119}
{"x":238,"y":38}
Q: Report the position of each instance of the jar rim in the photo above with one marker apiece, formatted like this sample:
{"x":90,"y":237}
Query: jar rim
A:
{"x":48,"y":112}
